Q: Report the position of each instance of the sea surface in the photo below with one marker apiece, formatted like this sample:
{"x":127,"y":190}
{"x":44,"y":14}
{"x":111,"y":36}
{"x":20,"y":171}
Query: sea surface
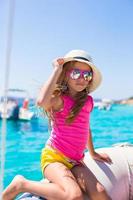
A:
{"x":24,"y":140}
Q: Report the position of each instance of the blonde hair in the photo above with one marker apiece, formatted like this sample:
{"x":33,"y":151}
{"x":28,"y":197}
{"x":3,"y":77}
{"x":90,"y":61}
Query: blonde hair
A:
{"x":62,"y":89}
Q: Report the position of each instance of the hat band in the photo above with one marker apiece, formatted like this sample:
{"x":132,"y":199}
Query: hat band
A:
{"x":82,"y":58}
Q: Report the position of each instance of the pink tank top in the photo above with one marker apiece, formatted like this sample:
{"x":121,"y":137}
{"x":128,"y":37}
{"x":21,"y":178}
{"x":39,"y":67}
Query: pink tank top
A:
{"x":71,"y":138}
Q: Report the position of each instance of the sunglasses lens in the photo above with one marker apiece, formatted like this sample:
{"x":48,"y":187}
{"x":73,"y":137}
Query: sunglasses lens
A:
{"x":87,"y":76}
{"x":75,"y":74}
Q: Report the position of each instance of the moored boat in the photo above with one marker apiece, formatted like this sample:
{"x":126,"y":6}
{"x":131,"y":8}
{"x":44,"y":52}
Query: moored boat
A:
{"x":16,"y":106}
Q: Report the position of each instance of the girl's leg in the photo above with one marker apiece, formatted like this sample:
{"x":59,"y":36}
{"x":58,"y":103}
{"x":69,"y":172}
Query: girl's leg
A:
{"x":89,"y":183}
{"x":63,"y":186}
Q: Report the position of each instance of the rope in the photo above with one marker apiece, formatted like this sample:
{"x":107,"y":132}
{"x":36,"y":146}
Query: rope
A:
{"x":7,"y":73}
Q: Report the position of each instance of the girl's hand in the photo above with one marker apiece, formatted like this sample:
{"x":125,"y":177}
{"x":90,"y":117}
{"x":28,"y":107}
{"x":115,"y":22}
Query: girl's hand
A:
{"x":102,"y":157}
{"x":58,"y":63}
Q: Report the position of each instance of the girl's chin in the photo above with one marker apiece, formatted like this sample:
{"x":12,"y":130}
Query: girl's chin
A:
{"x":80,"y":90}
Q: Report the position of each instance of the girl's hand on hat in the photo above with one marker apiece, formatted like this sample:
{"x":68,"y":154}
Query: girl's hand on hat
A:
{"x":102,"y":157}
{"x":58,"y":63}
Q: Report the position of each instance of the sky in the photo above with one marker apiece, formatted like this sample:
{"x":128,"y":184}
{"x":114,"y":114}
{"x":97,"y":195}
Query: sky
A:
{"x":46,"y":29}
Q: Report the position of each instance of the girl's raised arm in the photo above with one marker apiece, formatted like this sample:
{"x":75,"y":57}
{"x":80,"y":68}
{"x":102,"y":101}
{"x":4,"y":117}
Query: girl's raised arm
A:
{"x":45,"y":95}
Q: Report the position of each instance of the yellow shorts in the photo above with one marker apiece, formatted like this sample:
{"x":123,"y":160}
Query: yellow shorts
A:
{"x":51,"y":155}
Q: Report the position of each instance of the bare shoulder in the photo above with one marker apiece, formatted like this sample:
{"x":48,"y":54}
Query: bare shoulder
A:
{"x":57,"y":103}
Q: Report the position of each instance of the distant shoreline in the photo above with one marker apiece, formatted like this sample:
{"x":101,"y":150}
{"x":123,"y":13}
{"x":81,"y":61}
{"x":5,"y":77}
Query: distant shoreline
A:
{"x":128,"y":101}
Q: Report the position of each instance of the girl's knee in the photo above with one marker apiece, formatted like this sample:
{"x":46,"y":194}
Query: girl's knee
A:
{"x":74,"y":194}
{"x":100,"y":187}
{"x":101,"y":190}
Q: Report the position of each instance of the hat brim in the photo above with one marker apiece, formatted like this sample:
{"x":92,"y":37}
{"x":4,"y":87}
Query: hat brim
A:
{"x":97,"y":77}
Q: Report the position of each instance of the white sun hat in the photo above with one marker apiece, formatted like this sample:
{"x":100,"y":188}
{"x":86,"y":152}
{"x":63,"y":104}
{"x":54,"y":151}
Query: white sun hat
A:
{"x":84,"y":57}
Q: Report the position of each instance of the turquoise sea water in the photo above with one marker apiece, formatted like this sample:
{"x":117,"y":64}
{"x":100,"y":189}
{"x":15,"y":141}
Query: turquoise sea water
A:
{"x":24,"y":140}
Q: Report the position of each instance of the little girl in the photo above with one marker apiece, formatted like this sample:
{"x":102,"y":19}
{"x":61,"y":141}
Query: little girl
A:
{"x":66,"y":101}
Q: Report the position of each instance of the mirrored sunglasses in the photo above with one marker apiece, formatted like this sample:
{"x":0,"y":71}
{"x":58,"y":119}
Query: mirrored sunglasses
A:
{"x":77,"y":73}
